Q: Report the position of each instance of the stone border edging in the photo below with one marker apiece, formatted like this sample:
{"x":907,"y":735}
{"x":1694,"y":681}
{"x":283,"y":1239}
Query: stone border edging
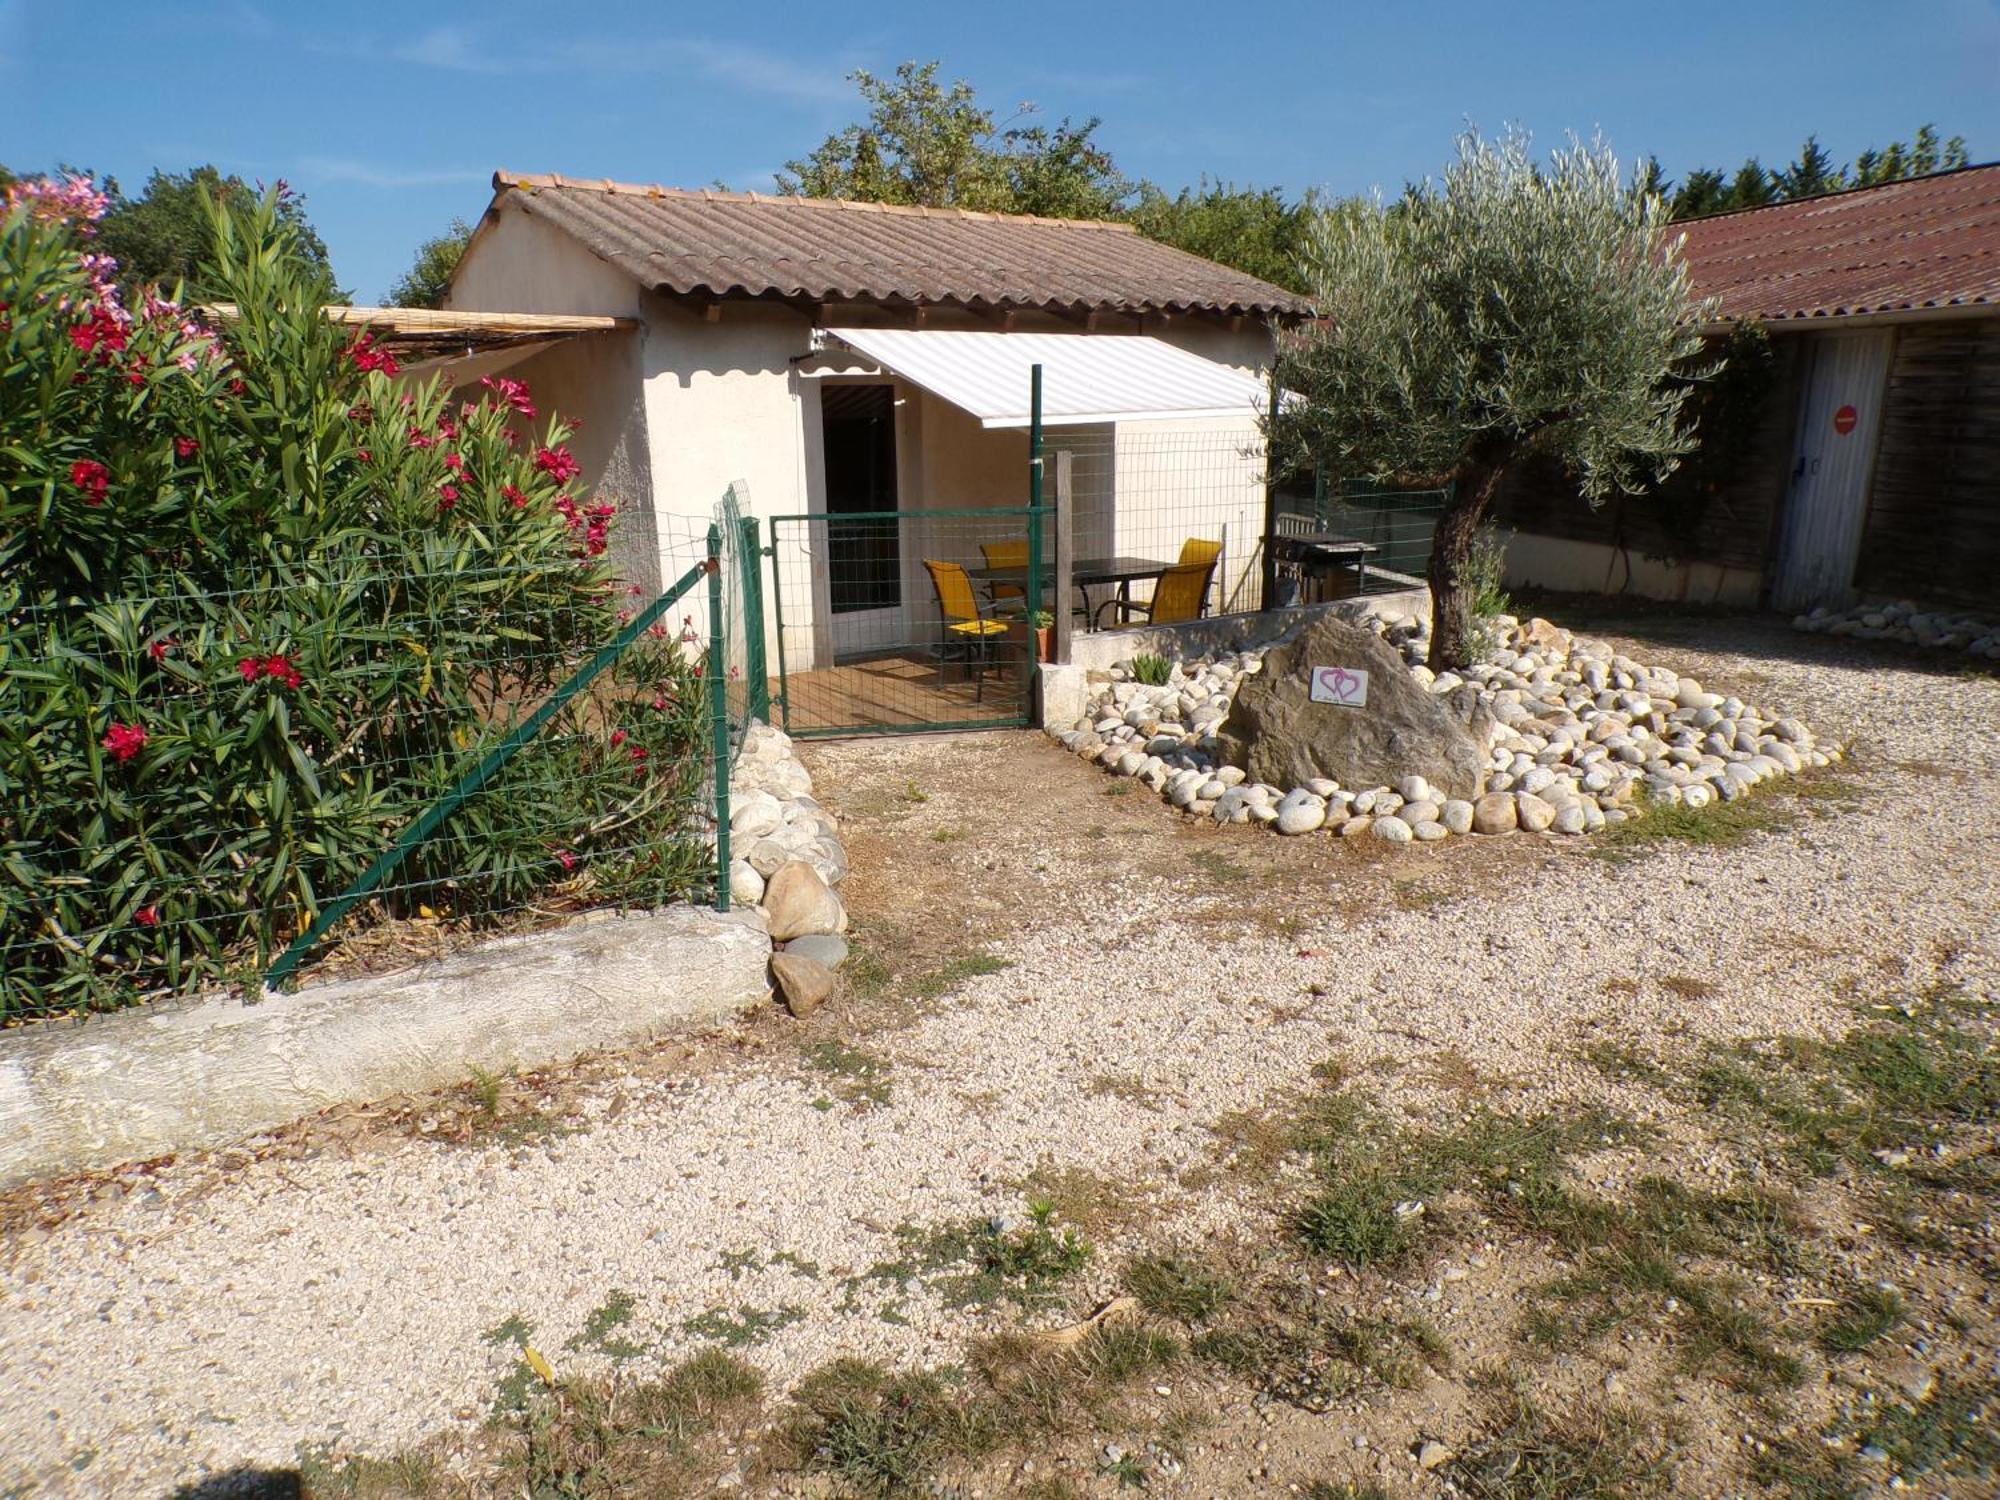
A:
{"x":191,"y":1074}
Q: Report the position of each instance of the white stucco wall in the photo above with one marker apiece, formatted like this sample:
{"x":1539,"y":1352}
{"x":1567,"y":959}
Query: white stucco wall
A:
{"x":519,"y":264}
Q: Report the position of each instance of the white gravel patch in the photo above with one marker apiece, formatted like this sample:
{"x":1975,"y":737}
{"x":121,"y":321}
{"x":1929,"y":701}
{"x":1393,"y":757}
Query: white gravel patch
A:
{"x":341,"y":1301}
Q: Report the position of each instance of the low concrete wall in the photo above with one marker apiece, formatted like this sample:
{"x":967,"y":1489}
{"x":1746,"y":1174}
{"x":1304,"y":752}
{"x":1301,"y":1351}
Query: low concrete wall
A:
{"x":1064,"y":688}
{"x":1552,"y":562}
{"x":203,"y":1072}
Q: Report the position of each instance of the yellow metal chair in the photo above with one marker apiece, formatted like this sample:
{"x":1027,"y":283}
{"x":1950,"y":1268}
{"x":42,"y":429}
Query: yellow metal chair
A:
{"x":1006,"y":596}
{"x":968,"y":634}
{"x":1200,"y":550}
{"x":1181,"y":593}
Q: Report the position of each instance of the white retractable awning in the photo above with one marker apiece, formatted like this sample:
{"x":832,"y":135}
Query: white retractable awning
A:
{"x":1086,"y":377}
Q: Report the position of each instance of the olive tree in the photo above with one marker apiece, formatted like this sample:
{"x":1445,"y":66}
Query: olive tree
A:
{"x":1507,"y":310}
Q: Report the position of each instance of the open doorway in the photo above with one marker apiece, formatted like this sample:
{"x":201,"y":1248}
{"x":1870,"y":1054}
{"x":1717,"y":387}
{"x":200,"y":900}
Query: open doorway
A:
{"x":864,"y":541}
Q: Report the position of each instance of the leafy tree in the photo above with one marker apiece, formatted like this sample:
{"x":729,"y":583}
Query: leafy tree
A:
{"x":1811,"y":174}
{"x":1706,"y":191}
{"x":429,"y":277}
{"x":1253,"y":229}
{"x":1918,"y":158}
{"x":1509,"y":310}
{"x":938,"y":147}
{"x":163,"y":236}
{"x":1752,"y":186}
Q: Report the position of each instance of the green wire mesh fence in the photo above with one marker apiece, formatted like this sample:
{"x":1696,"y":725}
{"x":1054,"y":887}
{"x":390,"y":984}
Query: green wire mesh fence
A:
{"x":358,"y":765}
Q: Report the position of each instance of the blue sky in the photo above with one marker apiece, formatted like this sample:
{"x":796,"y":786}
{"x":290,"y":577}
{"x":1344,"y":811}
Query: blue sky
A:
{"x":392,"y":117}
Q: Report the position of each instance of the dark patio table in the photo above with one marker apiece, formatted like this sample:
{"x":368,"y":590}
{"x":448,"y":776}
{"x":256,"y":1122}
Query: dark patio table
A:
{"x":1085,"y":572}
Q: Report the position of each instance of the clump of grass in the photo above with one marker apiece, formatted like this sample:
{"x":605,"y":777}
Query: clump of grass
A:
{"x":1641,"y":1254}
{"x":1717,"y":824}
{"x":1179,"y":1287}
{"x":885,"y":1433}
{"x":947,"y":977}
{"x":947,"y":834}
{"x":1326,"y":1489}
{"x":402,"y":1476}
{"x":1377,"y":1187}
{"x":615,"y":1438}
{"x":1037,"y":1389}
{"x":1588,"y":1452}
{"x":1904,"y":1081}
{"x":1149,"y":669}
{"x":1863,"y":1316}
{"x":486,"y":1089}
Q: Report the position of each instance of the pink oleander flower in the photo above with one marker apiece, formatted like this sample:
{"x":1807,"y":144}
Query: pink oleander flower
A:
{"x":124,"y":741}
{"x":367,"y":357}
{"x":90,"y":476}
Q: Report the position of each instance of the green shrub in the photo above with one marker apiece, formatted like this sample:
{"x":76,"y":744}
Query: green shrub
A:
{"x":1150,"y":670}
{"x":260,"y":606}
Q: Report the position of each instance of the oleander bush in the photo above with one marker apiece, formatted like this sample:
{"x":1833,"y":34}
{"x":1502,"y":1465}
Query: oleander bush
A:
{"x":261,"y":604}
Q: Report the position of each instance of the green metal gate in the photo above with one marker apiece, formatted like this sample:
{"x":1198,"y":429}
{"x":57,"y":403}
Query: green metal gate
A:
{"x":905,"y":621}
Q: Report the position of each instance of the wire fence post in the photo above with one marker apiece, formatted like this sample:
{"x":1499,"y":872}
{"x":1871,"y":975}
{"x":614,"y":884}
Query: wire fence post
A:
{"x":751,"y":553}
{"x":718,"y":702}
{"x":778,"y":624}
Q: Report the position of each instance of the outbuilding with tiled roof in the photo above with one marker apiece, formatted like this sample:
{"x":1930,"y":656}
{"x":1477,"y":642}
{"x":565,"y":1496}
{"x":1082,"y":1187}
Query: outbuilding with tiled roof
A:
{"x":1874,"y":469}
{"x":859,"y":375}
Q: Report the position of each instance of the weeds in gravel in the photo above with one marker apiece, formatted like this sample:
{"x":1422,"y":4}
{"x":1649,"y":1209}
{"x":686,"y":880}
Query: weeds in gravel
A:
{"x":1219,"y":868}
{"x":1587,"y":1452}
{"x":599,"y":1333}
{"x":1717,"y":824}
{"x":743,"y":1328}
{"x":402,"y":1476}
{"x":1949,"y":1432}
{"x":886,"y":1433}
{"x":1887,"y":1103}
{"x":1326,"y":1489}
{"x":864,"y":1077}
{"x":947,"y":977}
{"x":1088,"y":1201}
{"x":1644,"y":1255}
{"x":982,"y":1262}
{"x":1179,"y":1287}
{"x":588,"y":1438}
{"x":1863,"y":1316}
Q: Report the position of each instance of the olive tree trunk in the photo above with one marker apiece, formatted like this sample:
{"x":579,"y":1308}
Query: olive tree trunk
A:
{"x":1452,"y":632}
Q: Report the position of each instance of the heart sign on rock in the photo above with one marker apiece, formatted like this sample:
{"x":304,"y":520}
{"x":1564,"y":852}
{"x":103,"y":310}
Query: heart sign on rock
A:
{"x":1340,"y":685}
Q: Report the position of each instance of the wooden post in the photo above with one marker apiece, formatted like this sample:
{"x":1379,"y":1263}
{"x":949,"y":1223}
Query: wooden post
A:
{"x":1065,"y":559}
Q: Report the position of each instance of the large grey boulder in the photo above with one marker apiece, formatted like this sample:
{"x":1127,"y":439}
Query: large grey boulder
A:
{"x":1279,"y":735}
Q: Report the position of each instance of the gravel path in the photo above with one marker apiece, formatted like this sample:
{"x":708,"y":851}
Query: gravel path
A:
{"x":338,"y":1296}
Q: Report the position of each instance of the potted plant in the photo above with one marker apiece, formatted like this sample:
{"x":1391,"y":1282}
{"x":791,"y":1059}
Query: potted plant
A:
{"x":1043,"y":623}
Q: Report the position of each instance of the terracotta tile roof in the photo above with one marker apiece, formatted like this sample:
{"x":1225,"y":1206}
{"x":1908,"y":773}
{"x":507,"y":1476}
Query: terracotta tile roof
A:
{"x":829,"y":250}
{"x":1930,"y":242}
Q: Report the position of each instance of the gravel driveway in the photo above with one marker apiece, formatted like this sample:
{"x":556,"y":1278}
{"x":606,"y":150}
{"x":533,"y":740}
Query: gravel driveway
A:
{"x":338,"y":1288}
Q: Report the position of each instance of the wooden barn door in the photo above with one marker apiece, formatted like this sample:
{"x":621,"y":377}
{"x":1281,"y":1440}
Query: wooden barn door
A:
{"x":1839,"y":420}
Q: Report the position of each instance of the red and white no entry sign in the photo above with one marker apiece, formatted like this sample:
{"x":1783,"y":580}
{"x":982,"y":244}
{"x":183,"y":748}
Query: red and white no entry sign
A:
{"x":1844,"y":420}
